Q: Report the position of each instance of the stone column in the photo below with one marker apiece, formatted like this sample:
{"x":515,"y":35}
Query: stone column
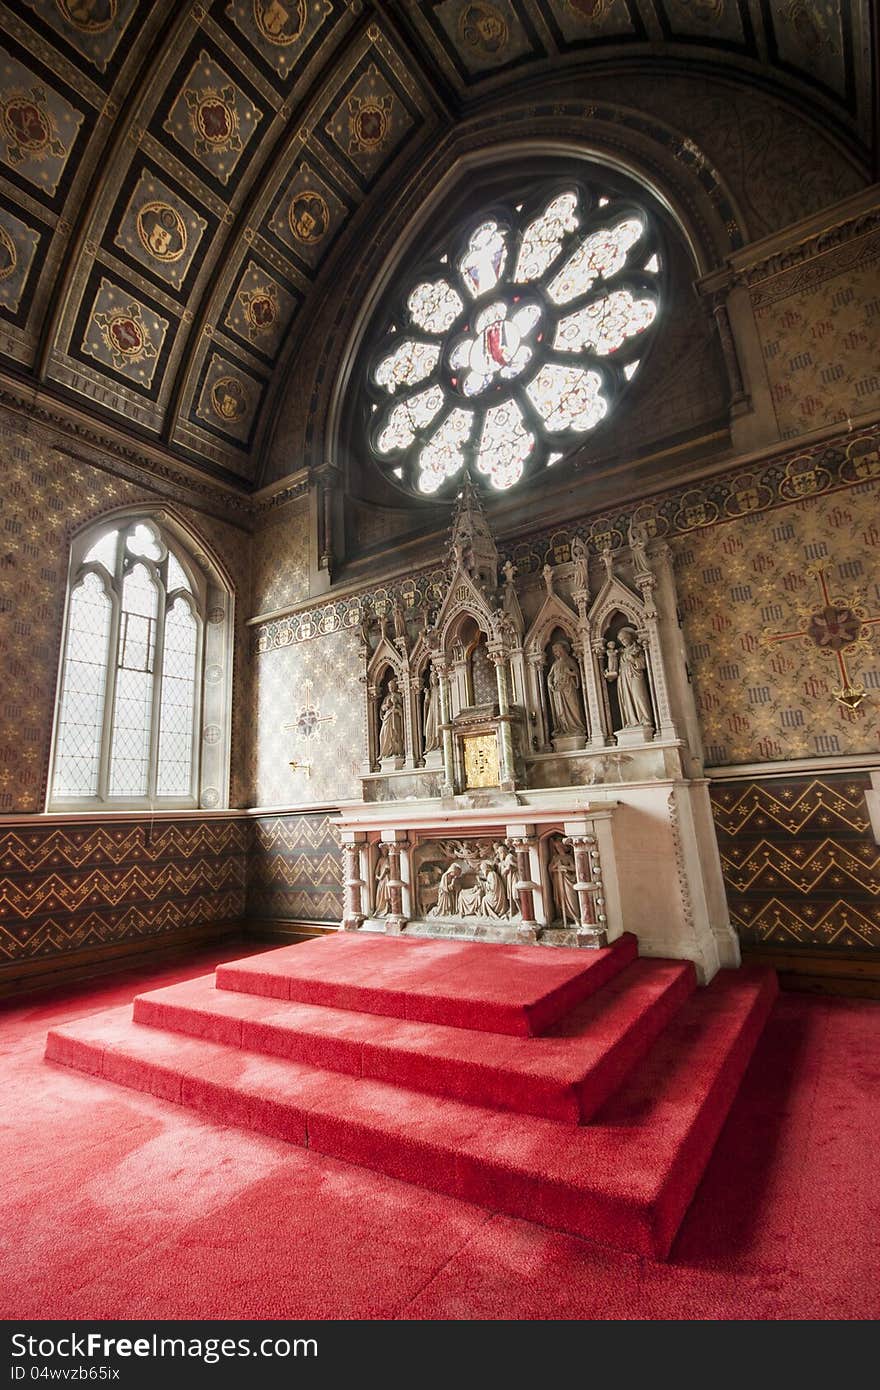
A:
{"x":396,"y":920}
{"x":448,"y":788}
{"x":353,"y":914}
{"x":505,"y":761}
{"x":592,"y":697}
{"x":529,"y":929}
{"x":591,"y":932}
{"x":536,"y":662}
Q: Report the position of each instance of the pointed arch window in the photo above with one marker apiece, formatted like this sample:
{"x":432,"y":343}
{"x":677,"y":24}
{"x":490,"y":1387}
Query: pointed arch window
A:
{"x":137,"y":722}
{"x":514,"y":339}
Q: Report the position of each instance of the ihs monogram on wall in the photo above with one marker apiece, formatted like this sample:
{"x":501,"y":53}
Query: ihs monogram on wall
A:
{"x":837,"y":626}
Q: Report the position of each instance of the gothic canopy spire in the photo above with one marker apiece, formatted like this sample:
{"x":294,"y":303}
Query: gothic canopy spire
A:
{"x":472,"y":544}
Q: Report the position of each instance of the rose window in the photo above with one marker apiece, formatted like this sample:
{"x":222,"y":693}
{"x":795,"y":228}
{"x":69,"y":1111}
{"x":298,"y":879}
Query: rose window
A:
{"x":516,"y":341}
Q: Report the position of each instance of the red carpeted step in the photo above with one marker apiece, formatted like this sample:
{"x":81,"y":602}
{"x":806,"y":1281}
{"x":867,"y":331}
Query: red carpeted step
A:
{"x":563,"y":1075}
{"x":626,"y":1179}
{"x":463,"y":984}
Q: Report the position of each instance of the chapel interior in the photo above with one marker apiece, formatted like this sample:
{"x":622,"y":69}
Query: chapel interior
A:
{"x":440,"y":448}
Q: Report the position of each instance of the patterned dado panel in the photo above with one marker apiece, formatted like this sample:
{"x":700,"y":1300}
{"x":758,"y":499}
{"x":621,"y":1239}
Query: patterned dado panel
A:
{"x":295,"y":869}
{"x":70,"y":886}
{"x":819,"y":326}
{"x":45,"y":497}
{"x":800,"y":865}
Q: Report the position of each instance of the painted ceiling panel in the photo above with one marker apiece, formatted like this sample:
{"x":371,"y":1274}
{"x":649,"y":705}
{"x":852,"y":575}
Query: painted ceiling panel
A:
{"x":177,"y":180}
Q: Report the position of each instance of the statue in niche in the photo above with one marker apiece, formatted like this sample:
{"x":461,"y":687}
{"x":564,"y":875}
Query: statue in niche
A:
{"x":563,"y":877}
{"x":506,"y":861}
{"x":391,"y":736}
{"x":627,"y":664}
{"x":563,"y":686}
{"x":382,"y":896}
{"x":431,"y":725}
{"x":447,"y":892}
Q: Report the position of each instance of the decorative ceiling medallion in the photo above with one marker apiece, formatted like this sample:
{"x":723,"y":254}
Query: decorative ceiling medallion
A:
{"x":580,"y":19}
{"x":213,"y":118}
{"x":369,"y":122}
{"x":228,"y":399}
{"x":18,"y":244}
{"x":483,"y":28}
{"x":89,"y":16}
{"x":260,"y":310}
{"x":93,"y":27}
{"x":161,"y":231}
{"x":37,"y":126}
{"x":281,"y":24}
{"x":280,"y":30}
{"x":308,"y":217}
{"x":124,"y":334}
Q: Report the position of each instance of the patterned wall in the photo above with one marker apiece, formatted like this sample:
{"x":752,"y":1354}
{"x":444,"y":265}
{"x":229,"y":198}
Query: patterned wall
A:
{"x":308,"y":709}
{"x":819,"y":326}
{"x":280,"y":574}
{"x":295,"y":869}
{"x":70,"y":886}
{"x":45,"y":498}
{"x":800,"y":865}
{"x":764,"y":655}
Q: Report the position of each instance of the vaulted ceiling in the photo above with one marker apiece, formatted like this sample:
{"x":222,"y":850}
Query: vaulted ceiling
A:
{"x":177,"y":179}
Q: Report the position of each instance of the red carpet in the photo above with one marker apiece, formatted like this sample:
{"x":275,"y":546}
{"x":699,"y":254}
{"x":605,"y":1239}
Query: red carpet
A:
{"x":118,"y":1204}
{"x":601,"y":1127}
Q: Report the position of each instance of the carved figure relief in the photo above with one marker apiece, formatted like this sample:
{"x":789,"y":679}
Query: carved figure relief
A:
{"x":391,"y":732}
{"x":563,"y":686}
{"x":627,"y":666}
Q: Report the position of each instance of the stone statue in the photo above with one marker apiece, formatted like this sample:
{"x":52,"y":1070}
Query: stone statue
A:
{"x":563,"y":877}
{"x":629,"y":667}
{"x":399,"y":621}
{"x":580,"y":575}
{"x":431,"y":725}
{"x":506,"y":861}
{"x":391,"y":738}
{"x":382,"y":897}
{"x":447,"y":892}
{"x":549,"y":576}
{"x":637,"y":537}
{"x":563,"y":685}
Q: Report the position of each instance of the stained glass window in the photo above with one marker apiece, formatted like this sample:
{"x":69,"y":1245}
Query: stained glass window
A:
{"x":130,"y":690}
{"x":514,"y":340}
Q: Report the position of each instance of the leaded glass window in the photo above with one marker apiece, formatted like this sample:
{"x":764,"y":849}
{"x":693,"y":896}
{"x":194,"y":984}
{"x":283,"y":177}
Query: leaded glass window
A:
{"x":131,"y":689}
{"x":514,"y":340}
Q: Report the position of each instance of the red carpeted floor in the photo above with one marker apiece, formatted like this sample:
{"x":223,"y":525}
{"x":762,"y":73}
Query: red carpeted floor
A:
{"x":120,"y":1204}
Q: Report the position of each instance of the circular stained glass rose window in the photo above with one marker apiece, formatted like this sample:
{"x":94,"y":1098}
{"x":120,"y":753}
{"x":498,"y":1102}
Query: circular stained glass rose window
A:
{"x":515,"y":342}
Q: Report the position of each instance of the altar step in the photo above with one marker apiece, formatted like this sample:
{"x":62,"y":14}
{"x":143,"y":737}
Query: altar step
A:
{"x":517,"y":990}
{"x":563,"y":1075}
{"x":652,"y":1063}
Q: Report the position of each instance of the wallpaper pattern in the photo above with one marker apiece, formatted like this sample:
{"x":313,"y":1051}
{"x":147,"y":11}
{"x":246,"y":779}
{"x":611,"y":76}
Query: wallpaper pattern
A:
{"x":295,"y":869}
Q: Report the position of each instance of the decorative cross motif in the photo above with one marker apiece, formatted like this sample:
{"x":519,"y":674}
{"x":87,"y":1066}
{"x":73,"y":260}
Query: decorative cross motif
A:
{"x":309,"y":717}
{"x":837,"y":626}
